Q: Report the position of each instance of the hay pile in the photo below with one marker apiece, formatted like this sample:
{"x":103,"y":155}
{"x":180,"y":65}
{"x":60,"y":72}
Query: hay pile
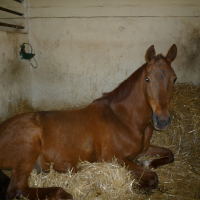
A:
{"x":99,"y":181}
{"x":179,"y":180}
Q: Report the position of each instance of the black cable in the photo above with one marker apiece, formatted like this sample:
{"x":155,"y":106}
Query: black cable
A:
{"x":30,"y":46}
{"x":35,"y":62}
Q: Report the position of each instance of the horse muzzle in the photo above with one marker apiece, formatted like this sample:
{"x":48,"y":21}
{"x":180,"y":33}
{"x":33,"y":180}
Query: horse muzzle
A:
{"x":161,"y":123}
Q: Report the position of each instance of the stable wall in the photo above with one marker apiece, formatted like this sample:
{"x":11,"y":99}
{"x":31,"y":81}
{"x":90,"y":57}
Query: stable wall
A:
{"x":84,"y":48}
{"x":15,"y":76}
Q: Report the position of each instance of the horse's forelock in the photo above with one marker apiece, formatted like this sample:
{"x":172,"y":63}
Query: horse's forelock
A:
{"x":158,"y":57}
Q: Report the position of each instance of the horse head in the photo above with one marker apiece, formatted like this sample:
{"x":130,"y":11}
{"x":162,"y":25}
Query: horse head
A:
{"x":159,"y":84}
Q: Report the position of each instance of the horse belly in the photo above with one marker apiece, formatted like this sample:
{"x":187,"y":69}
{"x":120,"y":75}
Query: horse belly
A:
{"x":69,"y":137}
{"x":66,"y":153}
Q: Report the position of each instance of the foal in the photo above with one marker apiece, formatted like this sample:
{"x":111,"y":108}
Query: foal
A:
{"x":119,"y":124}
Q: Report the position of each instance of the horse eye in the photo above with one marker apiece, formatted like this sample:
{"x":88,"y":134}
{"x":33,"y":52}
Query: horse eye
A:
{"x":175,"y":80}
{"x":147,"y":80}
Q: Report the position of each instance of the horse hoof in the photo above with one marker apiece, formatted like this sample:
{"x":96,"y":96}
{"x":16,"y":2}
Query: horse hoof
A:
{"x":150,"y":181}
{"x":61,"y":194}
{"x":153,"y":182}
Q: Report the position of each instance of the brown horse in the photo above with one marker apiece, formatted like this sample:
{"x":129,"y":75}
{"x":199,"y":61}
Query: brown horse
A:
{"x":119,"y":124}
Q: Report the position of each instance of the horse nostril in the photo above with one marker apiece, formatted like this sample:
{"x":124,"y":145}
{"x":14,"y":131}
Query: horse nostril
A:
{"x":159,"y":122}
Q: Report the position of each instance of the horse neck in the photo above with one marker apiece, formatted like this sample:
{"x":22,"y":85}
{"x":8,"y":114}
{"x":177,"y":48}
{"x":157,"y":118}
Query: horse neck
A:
{"x":134,"y":109}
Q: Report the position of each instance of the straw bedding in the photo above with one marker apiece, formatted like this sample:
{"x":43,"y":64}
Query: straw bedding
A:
{"x":110,"y":181}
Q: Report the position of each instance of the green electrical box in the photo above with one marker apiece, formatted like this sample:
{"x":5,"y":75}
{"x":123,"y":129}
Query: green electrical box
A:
{"x":23,"y":53}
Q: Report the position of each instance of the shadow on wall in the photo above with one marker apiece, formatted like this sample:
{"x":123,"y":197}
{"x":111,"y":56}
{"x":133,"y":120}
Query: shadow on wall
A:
{"x":189,"y":54}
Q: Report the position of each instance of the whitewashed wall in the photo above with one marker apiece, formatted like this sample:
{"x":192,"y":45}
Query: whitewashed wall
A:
{"x":88,"y":47}
{"x":84,"y":48}
{"x":15,"y":76}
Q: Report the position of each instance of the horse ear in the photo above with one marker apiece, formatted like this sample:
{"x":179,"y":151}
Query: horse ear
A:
{"x":171,"y":55}
{"x":150,"y":54}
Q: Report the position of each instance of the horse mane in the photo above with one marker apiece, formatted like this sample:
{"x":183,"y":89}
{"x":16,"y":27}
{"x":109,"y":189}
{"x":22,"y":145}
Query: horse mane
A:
{"x":124,"y":88}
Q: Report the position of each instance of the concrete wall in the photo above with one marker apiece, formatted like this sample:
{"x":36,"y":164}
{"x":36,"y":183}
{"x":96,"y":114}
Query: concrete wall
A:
{"x":15,"y":76}
{"x":88,"y":47}
{"x":84,"y":48}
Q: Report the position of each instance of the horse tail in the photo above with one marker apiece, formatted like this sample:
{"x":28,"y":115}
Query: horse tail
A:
{"x":4,"y":182}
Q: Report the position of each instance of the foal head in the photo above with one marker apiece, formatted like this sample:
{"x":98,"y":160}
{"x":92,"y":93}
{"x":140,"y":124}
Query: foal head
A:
{"x":159,"y":84}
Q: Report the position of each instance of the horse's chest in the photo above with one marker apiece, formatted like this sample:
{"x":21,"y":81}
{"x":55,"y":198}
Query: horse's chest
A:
{"x":125,"y":145}
{"x":133,"y":148}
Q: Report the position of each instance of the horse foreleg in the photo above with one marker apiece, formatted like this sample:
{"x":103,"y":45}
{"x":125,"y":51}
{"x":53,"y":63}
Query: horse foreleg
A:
{"x":165,"y":156}
{"x":147,"y":179}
